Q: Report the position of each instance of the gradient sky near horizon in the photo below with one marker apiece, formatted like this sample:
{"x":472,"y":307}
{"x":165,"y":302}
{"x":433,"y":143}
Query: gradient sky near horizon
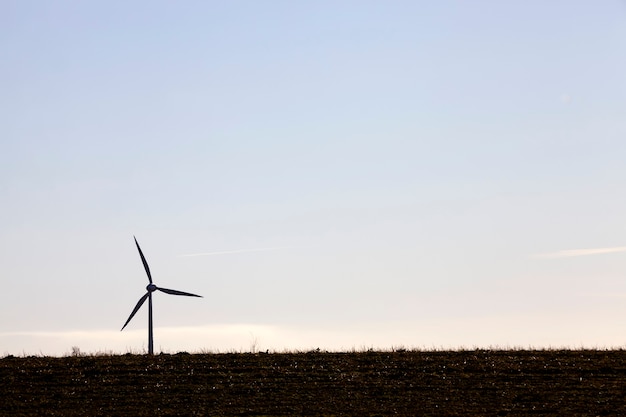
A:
{"x":331,"y":174}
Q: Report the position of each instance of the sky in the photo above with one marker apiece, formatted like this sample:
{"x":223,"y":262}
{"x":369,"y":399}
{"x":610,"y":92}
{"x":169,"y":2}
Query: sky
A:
{"x":332,"y":174}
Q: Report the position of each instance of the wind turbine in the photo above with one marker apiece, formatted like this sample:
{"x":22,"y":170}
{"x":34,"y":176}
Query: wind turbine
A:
{"x":151,"y":288}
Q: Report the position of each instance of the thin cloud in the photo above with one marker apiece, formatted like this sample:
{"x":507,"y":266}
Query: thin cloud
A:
{"x":229,"y":252}
{"x":580,"y":252}
{"x":604,"y":295}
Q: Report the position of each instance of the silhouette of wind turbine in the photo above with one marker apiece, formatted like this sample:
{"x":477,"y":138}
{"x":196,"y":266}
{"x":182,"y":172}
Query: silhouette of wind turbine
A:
{"x":151,"y":288}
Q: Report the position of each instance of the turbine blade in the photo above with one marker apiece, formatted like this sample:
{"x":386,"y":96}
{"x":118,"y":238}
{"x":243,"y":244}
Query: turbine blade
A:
{"x":175,"y":292}
{"x":143,"y":259}
{"x":137,"y":307}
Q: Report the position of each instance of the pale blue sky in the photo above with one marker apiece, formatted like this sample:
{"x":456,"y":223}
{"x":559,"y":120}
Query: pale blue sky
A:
{"x":404,"y":165}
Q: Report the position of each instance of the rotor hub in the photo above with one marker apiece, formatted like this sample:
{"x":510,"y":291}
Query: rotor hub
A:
{"x":151,"y":287}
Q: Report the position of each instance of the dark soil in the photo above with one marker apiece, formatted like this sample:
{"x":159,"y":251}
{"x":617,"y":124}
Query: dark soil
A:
{"x":411,"y":383}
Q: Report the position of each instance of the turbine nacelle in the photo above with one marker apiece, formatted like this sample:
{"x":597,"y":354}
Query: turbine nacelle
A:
{"x":151,"y":287}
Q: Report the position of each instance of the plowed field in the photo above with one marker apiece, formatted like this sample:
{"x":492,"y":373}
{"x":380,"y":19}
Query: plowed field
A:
{"x":410,"y":383}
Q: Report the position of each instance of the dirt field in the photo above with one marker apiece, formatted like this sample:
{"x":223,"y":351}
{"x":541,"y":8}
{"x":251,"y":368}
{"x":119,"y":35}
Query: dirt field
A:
{"x":440,"y":383}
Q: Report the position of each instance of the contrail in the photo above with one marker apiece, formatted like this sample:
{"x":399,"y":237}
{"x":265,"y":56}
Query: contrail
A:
{"x":580,"y":252}
{"x":228,"y":252}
